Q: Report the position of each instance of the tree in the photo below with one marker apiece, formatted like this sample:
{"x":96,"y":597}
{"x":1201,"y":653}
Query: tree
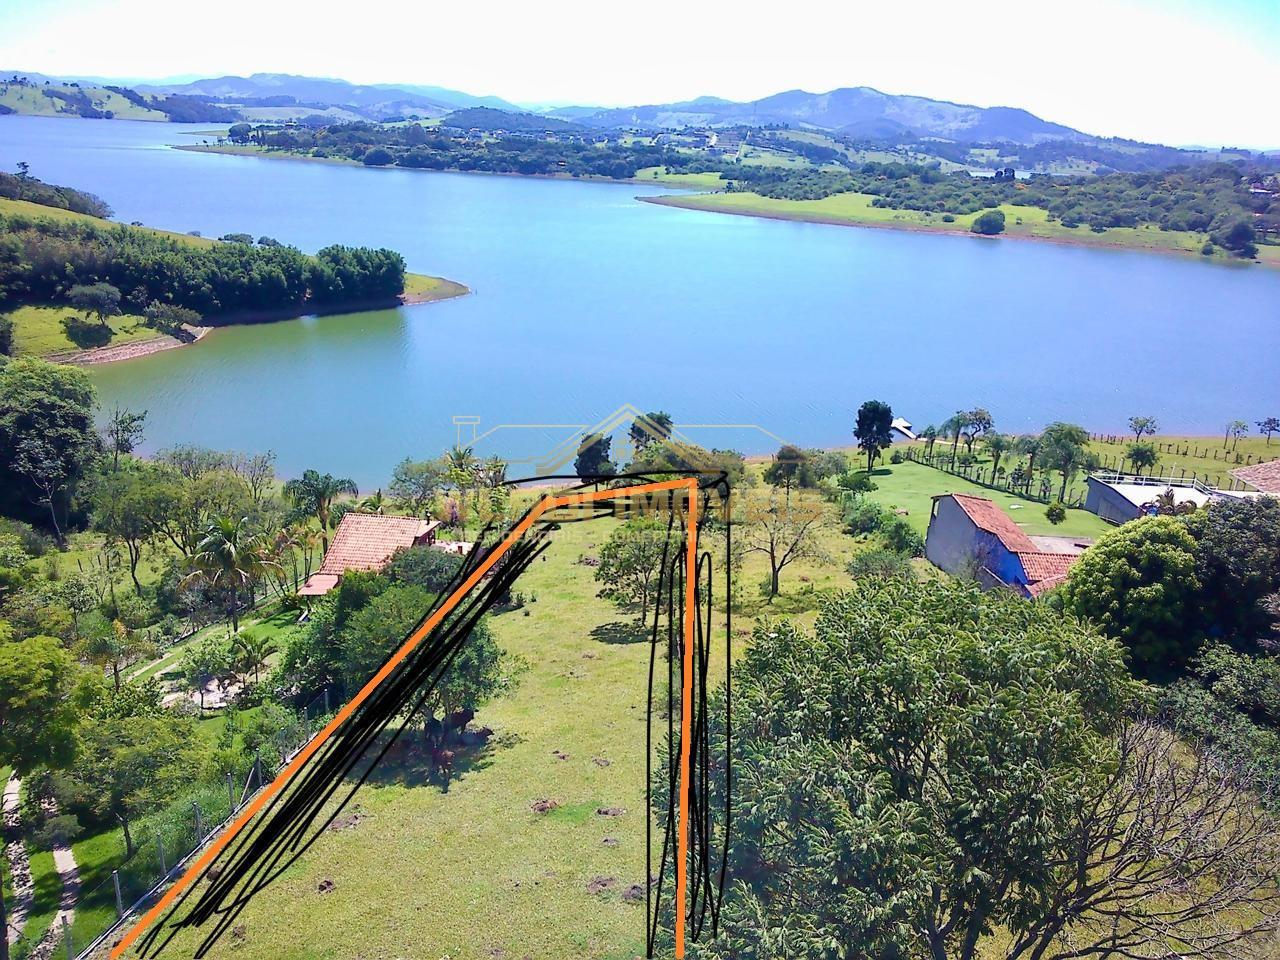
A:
{"x":375,"y":503}
{"x":239,"y":132}
{"x":783,"y":533}
{"x":891,"y":806}
{"x":649,"y":428}
{"x":953,"y":427}
{"x":315,"y":492}
{"x":1235,"y":430}
{"x":1062,"y":447}
{"x":124,"y":432}
{"x":47,"y":436}
{"x":631,"y":562}
{"x":593,"y":457}
{"x":38,"y":715}
{"x":1142,"y":456}
{"x":6,"y":334}
{"x":1138,"y":583}
{"x":109,"y":643}
{"x":989,"y":223}
{"x":1055,"y":513}
{"x":425,"y":567}
{"x":170,"y":318}
{"x":978,"y":422}
{"x":790,"y":467}
{"x":1142,"y":426}
{"x":930,"y":436}
{"x":415,"y":483}
{"x":132,"y":766}
{"x":1265,"y":427}
{"x":98,"y":299}
{"x":463,"y":471}
{"x":253,"y":649}
{"x":207,"y":661}
{"x":475,"y":675}
{"x":230,"y":557}
{"x":997,"y":444}
{"x":1237,"y":563}
{"x":874,"y":429}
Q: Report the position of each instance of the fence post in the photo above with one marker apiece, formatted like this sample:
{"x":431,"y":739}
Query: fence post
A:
{"x":164,"y":867}
{"x":66,"y":938}
{"x":231,"y":791}
{"x":199,"y":823}
{"x":115,"y":881}
{"x":326,"y":701}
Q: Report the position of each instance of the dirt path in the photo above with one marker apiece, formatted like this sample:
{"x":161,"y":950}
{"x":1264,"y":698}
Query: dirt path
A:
{"x":64,"y":861}
{"x":126,"y":351}
{"x":18,"y":908}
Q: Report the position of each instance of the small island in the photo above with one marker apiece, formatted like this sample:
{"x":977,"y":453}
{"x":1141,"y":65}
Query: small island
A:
{"x":78,"y":288}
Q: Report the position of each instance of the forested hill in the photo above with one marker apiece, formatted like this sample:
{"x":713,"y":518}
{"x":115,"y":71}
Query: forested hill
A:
{"x":54,"y":259}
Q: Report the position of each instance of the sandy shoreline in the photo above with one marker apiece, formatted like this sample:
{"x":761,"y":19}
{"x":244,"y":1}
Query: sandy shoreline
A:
{"x":447,"y":290}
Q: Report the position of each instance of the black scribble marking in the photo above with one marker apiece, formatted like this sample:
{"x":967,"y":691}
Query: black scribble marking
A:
{"x":294,"y":818}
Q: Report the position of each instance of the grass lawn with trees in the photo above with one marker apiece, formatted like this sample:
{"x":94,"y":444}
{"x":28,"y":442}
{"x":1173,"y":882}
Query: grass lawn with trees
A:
{"x":855,"y":209}
{"x":911,"y":487}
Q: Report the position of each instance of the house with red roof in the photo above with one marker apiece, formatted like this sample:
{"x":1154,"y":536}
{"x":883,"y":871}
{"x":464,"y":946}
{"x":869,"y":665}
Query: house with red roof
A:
{"x":1263,"y":477}
{"x":972,"y":536}
{"x":366,"y":541}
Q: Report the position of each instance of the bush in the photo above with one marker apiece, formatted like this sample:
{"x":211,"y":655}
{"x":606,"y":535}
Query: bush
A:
{"x":989,"y":223}
{"x":1055,"y":513}
{"x":424,"y":567}
{"x":6,"y":336}
{"x":377,"y":157}
{"x":881,"y":564}
{"x":900,"y":537}
{"x":864,"y":516}
{"x":897,"y":457}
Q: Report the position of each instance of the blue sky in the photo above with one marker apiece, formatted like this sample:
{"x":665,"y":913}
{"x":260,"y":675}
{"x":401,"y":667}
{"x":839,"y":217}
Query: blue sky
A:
{"x":1174,"y":71}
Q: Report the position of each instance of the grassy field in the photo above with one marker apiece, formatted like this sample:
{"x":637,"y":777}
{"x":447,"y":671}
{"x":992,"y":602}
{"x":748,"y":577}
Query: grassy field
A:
{"x":32,"y":101}
{"x":691,"y":181}
{"x":1203,"y":455}
{"x":436,"y":863}
{"x":855,"y":209}
{"x":911,"y":487}
{"x":41,"y":330}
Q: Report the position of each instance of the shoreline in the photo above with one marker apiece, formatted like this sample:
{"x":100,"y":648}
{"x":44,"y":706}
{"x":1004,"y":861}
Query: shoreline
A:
{"x":444,"y":289}
{"x":262,"y":154}
{"x":684,"y":203}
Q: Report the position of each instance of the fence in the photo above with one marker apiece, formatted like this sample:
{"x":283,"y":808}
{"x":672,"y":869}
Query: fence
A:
{"x":167,"y":843}
{"x":1040,"y":486}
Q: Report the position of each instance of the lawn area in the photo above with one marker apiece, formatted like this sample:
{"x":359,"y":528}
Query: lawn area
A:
{"x":692,"y":181}
{"x":41,"y":330}
{"x":1021,"y":221}
{"x":911,"y":487}
{"x":438,"y":863}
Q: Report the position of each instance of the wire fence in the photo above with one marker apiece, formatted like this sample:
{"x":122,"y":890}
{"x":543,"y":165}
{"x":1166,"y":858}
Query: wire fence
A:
{"x":1041,"y":486}
{"x":131,"y":877}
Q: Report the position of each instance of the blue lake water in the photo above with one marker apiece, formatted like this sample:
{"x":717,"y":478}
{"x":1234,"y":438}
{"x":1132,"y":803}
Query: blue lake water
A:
{"x":586,"y":299}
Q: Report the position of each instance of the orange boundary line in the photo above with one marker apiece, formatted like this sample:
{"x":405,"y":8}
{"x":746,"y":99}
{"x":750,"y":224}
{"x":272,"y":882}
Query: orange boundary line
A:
{"x":414,"y":639}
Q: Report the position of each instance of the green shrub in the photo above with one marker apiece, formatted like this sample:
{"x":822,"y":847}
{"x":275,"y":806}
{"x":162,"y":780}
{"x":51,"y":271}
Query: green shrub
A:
{"x":6,"y":336}
{"x":1055,"y":513}
{"x":882,"y":564}
{"x":862,"y":516}
{"x":989,"y":223}
{"x":900,"y":537}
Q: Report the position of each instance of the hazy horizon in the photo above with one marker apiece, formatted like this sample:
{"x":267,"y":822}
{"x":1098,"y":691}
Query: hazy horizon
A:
{"x":1167,"y":71}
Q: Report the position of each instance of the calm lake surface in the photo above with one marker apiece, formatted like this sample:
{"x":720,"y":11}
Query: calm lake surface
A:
{"x":586,"y":299}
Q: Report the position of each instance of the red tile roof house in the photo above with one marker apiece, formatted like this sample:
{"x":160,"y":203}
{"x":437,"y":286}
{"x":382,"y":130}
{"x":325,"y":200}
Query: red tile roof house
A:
{"x":1264,"y":477}
{"x":972,"y":536}
{"x":366,"y":541}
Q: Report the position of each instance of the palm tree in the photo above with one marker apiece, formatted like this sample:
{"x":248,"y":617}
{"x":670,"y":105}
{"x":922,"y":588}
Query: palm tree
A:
{"x":1166,"y":505}
{"x":997,"y":445}
{"x":930,"y":436}
{"x":953,"y":427}
{"x":376,"y":504}
{"x":1028,"y":445}
{"x":315,"y":493}
{"x":229,"y":556}
{"x":254,"y":649}
{"x":464,"y":471}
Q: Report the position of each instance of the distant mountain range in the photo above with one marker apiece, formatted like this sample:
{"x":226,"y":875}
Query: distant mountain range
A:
{"x":858,"y":112}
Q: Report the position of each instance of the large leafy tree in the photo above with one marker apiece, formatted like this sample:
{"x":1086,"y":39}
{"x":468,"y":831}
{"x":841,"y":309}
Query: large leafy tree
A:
{"x":415,"y":483}
{"x":315,"y":492}
{"x":47,"y":437}
{"x":874,"y":429}
{"x":907,"y":776}
{"x":593,"y":458}
{"x":791,"y":467}
{"x":631,"y":562}
{"x":1139,"y":584}
{"x":1237,"y":563}
{"x":38,"y":713}
{"x":97,"y":299}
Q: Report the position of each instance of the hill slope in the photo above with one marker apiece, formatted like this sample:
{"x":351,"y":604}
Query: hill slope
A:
{"x":854,"y":111}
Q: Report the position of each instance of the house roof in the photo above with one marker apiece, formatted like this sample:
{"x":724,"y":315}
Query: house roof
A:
{"x":366,"y":541}
{"x":1045,"y":570}
{"x":990,"y":518}
{"x":1263,"y":476}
